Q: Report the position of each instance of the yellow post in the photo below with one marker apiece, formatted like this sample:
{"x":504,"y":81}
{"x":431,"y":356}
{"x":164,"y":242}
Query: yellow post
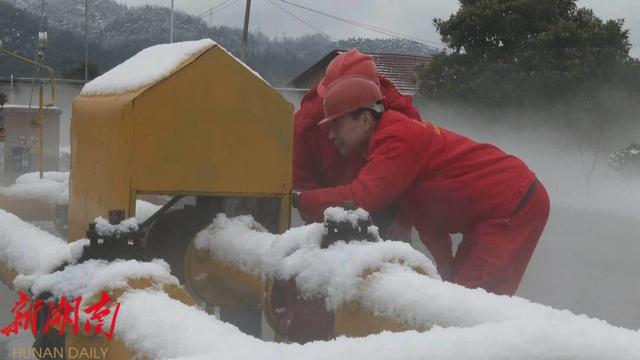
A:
{"x":40,"y":118}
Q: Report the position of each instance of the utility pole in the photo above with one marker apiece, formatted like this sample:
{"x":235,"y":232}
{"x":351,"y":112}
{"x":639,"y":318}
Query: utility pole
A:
{"x":86,"y":40}
{"x":171,"y":30}
{"x":245,"y":32}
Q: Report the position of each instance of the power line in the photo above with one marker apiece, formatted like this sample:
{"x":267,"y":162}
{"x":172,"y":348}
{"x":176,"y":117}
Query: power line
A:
{"x":355,"y":23}
{"x":363,"y":25}
{"x":207,"y":12}
{"x":358,"y":24}
{"x":228,"y":6}
{"x":301,"y":20}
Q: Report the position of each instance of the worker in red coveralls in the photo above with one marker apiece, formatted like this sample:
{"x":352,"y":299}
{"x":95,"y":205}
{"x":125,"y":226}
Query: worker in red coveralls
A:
{"x":443,"y":182}
{"x":316,"y":162}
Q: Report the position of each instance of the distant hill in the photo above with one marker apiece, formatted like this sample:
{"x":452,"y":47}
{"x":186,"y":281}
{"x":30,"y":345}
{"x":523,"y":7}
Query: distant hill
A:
{"x":118,"y":32}
{"x":19,"y":31}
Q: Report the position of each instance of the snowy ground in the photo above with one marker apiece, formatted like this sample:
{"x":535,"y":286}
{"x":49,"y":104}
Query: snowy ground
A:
{"x":588,"y":262}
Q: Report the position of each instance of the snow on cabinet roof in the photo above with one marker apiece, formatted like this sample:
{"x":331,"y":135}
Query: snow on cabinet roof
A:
{"x":146,"y":67}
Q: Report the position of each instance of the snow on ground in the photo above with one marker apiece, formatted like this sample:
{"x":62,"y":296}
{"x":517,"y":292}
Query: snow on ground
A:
{"x":31,"y":251}
{"x":52,"y":188}
{"x":146,"y":67}
{"x":34,"y":177}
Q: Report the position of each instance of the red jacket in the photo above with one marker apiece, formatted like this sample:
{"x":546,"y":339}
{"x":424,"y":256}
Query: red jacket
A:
{"x":444,"y":182}
{"x":316,"y":162}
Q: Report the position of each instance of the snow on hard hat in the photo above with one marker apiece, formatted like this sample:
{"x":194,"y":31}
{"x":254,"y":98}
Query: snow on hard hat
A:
{"x":350,"y":63}
{"x":349,"y":94}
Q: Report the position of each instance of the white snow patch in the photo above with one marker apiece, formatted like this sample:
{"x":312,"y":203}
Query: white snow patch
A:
{"x":339,"y":214}
{"x":103,"y":228}
{"x":146,"y":67}
{"x":34,"y":177}
{"x":557,"y":336}
{"x":423,"y":302}
{"x":246,"y":66}
{"x":145,"y":209}
{"x":335,"y":272}
{"x":31,"y":251}
{"x":93,"y":276}
{"x":240,"y":240}
{"x":52,"y":188}
{"x":467,"y":324}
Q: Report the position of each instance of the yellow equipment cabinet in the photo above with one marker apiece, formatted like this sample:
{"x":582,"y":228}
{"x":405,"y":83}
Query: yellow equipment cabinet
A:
{"x":210,"y":127}
{"x":184,"y":119}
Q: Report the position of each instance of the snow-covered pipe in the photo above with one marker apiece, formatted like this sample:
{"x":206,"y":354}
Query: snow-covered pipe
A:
{"x":149,"y":317}
{"x":232,"y":260}
{"x":119,"y":278}
{"x":559,"y":335}
{"x":474,"y":324}
{"x":220,"y":283}
{"x":28,"y":251}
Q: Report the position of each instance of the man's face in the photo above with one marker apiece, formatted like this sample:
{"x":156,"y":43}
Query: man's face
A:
{"x":349,"y":133}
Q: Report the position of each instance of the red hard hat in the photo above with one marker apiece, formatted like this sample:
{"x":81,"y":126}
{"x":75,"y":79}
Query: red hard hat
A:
{"x":350,"y":63}
{"x":348,"y":94}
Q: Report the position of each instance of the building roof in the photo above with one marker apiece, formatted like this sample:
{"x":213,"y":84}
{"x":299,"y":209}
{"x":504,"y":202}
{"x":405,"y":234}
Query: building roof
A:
{"x":400,"y":69}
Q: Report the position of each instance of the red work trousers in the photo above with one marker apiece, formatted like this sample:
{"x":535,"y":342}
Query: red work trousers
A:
{"x":495,"y":253}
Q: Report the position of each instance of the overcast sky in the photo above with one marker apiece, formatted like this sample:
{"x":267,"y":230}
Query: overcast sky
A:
{"x":410,"y":17}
